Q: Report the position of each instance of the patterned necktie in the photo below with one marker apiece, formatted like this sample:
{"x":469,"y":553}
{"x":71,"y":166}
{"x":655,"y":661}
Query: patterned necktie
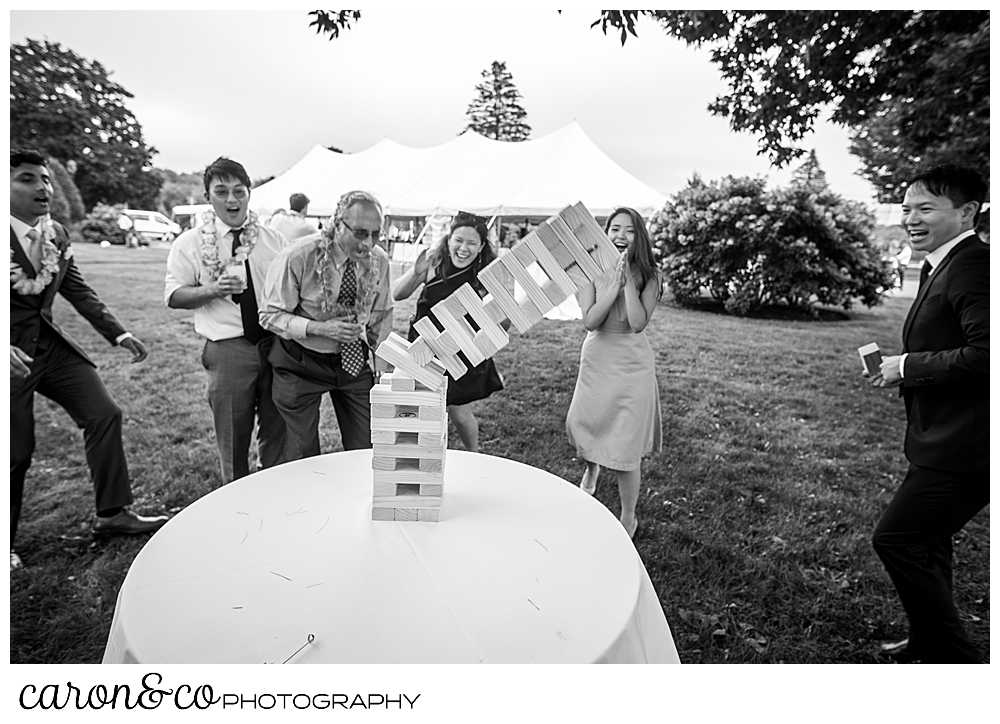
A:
{"x":34,"y":248}
{"x":252,"y":330}
{"x":925,"y":271}
{"x":352,"y":355}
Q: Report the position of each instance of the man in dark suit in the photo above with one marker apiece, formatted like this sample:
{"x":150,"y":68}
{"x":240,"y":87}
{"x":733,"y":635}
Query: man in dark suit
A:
{"x":944,"y":374}
{"x":45,"y":359}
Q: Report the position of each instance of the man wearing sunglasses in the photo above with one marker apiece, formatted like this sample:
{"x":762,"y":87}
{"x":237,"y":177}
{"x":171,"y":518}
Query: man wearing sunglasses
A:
{"x":327,"y":298}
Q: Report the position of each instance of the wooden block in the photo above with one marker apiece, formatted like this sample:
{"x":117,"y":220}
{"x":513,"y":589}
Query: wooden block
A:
{"x":406,"y":501}
{"x":408,"y":515}
{"x":430,"y":465}
{"x":550,"y":265}
{"x":527,"y":282}
{"x":416,"y":398}
{"x":429,"y":515}
{"x":408,"y":424}
{"x":399,"y":382}
{"x":391,"y":462}
{"x":405,"y":476}
{"x":385,"y":437}
{"x":484,"y":344}
{"x":432,"y":489}
{"x":383,"y":514}
{"x":493,"y":309}
{"x":444,"y":346}
{"x":573,"y":245}
{"x":503,"y":298}
{"x":394,"y":351}
{"x":434,"y":439}
{"x":460,"y":331}
{"x":420,"y":351}
{"x":550,"y":239}
{"x":467,"y":299}
{"x":423,"y":412}
{"x":587,"y":230}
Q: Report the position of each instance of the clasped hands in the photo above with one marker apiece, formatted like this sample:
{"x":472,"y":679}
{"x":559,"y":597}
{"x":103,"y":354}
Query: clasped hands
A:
{"x":615,"y":279}
{"x":227,"y":285}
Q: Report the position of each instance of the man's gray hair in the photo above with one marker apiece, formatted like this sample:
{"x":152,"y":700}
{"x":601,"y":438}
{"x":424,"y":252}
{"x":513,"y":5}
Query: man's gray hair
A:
{"x":355,"y":198}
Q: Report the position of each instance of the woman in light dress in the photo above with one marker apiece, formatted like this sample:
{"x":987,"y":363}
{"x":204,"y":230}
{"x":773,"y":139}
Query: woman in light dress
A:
{"x":614,"y":418}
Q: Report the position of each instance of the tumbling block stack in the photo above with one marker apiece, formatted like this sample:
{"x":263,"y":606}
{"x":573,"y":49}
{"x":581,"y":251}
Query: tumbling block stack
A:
{"x":410,"y":429}
{"x":409,"y":439}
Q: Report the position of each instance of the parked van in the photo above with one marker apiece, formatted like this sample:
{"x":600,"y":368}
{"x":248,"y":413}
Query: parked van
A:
{"x":150,"y":225}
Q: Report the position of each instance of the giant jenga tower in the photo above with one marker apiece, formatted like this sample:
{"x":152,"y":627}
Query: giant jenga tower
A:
{"x":409,"y":421}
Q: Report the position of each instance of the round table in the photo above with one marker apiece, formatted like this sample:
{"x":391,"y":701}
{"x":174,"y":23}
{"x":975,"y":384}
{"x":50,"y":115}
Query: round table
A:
{"x":286,"y":565}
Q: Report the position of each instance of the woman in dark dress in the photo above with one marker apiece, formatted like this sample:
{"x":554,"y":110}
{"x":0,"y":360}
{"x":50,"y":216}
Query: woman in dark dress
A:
{"x":457,"y":260}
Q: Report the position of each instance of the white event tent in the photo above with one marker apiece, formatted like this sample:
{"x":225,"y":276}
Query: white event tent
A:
{"x":468,"y":173}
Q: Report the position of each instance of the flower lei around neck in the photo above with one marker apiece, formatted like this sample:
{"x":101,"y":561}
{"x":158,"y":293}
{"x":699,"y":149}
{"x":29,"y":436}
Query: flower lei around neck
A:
{"x":210,"y":249}
{"x":25,"y":285}
{"x":365,"y":273}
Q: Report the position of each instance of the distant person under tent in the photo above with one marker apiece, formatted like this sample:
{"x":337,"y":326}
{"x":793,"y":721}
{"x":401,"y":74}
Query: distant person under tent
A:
{"x":294,"y":224}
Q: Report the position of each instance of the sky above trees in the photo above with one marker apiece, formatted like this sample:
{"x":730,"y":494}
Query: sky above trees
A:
{"x":405,"y":74}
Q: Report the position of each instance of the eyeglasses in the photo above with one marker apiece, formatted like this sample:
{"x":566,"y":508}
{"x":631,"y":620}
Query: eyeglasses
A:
{"x":466,"y":216}
{"x":362,"y":234}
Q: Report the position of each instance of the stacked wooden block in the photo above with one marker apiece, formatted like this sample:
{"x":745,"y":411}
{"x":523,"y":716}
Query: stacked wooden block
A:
{"x":409,"y":433}
{"x":409,"y":439}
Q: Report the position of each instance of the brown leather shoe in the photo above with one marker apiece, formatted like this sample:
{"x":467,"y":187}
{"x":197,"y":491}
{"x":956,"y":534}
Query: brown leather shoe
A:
{"x":128,"y":523}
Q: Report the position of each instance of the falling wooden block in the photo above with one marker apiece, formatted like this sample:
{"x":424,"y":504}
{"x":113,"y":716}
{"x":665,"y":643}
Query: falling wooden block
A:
{"x":460,"y":331}
{"x":592,"y":236}
{"x":505,"y":299}
{"x":527,"y":282}
{"x":550,"y":265}
{"x":577,"y":250}
{"x":444,"y":346}
{"x":394,"y":350}
{"x":421,"y":352}
{"x":465,"y":299}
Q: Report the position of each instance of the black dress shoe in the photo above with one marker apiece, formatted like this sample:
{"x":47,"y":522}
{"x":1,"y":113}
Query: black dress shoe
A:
{"x":128,"y":523}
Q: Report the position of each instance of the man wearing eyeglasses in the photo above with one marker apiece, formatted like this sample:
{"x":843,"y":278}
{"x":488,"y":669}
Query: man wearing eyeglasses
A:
{"x":327,"y":298}
{"x":218,"y":270}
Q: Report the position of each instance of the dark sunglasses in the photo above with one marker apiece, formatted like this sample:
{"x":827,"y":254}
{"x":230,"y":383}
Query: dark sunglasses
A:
{"x":362,"y":234}
{"x":466,"y":216}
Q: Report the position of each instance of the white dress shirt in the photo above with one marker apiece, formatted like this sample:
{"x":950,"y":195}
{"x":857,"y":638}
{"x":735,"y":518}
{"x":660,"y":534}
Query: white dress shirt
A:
{"x":220,"y":318}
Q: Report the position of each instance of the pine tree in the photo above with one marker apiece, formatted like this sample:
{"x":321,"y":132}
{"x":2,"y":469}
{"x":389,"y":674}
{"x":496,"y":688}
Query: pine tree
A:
{"x":809,"y":175}
{"x":496,"y":112}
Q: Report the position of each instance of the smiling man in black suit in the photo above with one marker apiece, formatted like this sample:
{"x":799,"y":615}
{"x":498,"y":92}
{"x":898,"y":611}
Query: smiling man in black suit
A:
{"x":944,"y":374}
{"x":46,"y":360}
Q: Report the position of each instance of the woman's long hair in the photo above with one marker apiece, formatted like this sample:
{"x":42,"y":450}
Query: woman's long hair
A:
{"x":640,"y":255}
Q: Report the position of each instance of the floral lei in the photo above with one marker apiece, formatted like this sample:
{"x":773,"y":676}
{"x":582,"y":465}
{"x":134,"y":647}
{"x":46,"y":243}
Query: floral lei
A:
{"x":210,"y":249}
{"x":24,"y":285}
{"x":366,"y":275}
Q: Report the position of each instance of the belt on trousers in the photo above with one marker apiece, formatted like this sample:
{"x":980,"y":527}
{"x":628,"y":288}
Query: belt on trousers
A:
{"x":328,"y":357}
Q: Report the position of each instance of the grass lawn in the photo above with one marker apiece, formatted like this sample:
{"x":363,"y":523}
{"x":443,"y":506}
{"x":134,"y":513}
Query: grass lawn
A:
{"x":756,"y":518}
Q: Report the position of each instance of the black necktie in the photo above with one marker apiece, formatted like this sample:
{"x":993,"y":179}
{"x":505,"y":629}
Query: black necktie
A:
{"x":352,"y":354}
{"x":248,"y":301}
{"x":925,"y":271}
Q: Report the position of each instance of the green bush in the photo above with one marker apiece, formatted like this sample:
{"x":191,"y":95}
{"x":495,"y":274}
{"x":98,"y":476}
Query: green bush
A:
{"x":101,"y":224}
{"x":751,"y":248}
{"x":67,"y":205}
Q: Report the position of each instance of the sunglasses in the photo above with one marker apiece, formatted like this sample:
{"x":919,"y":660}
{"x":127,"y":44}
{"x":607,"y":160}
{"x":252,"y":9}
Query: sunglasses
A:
{"x":362,"y":234}
{"x":466,"y":216}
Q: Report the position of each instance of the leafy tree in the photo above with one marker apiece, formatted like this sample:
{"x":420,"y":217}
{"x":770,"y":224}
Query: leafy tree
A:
{"x":67,"y":206}
{"x":496,"y":112}
{"x":69,"y":108}
{"x":751,"y":248}
{"x":180,"y":188}
{"x":940,"y":112}
{"x":332,"y":22}
{"x":912,"y":85}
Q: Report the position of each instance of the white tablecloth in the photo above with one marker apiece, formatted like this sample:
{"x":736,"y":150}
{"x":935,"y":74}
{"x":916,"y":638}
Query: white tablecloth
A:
{"x":522,"y":567}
